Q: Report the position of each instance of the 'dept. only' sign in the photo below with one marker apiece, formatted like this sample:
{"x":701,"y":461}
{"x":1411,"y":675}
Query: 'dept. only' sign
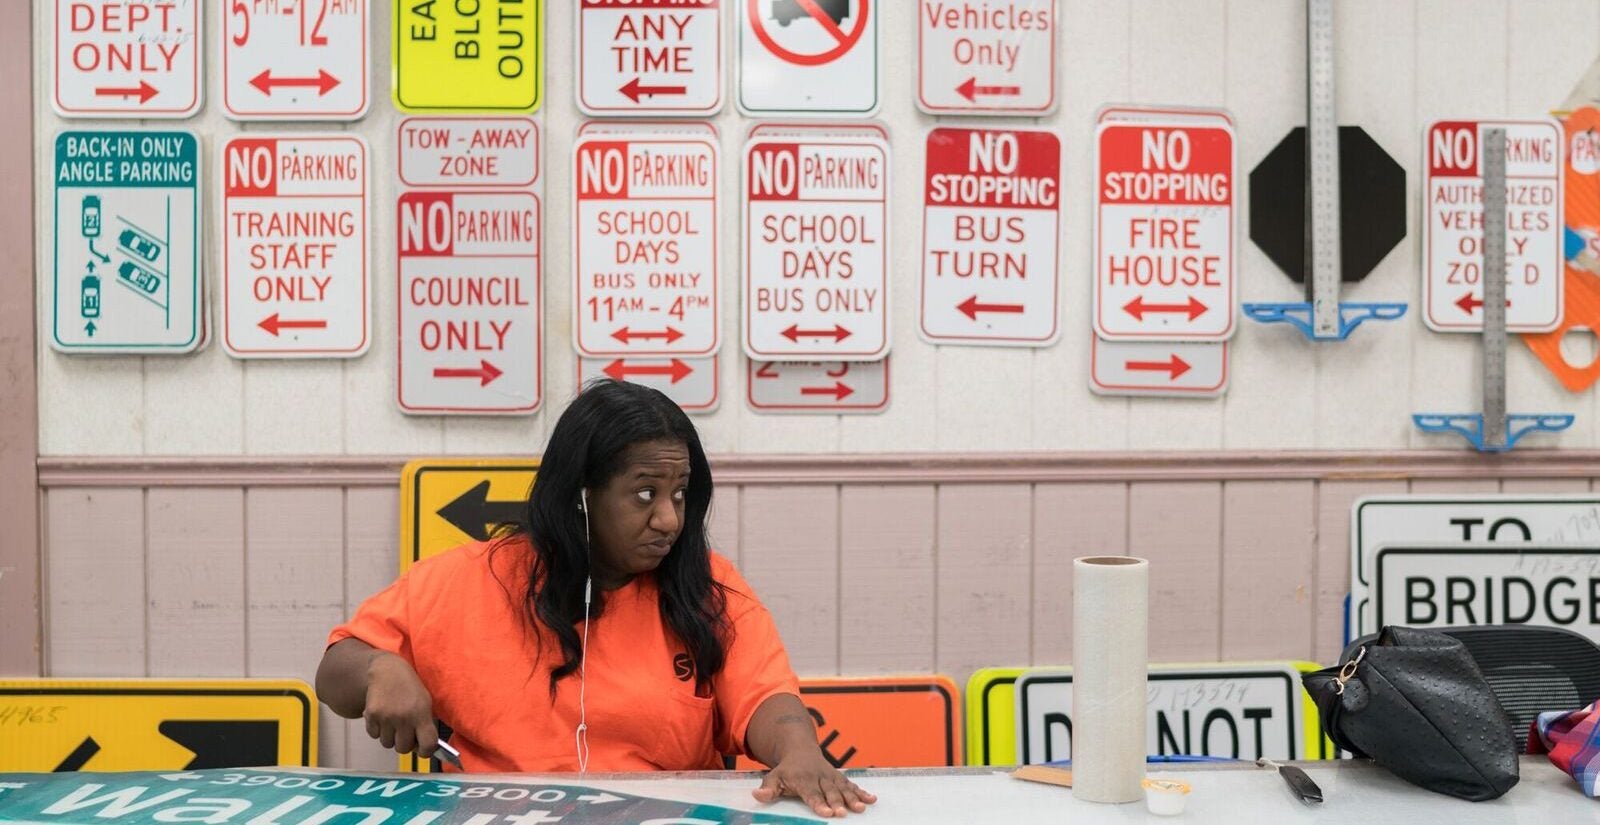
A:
{"x":994,"y":57}
{"x":295,"y":239}
{"x":816,"y":253}
{"x":646,"y":243}
{"x":1452,"y":286}
{"x":1164,"y":230}
{"x":470,"y":247}
{"x":639,"y":57}
{"x":127,"y":58}
{"x":990,"y":221}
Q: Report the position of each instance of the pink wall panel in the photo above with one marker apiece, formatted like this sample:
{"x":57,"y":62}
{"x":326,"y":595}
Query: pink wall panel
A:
{"x":985,"y":577}
{"x":790,"y":554}
{"x":95,"y":577}
{"x":1268,"y":569}
{"x":195,"y":581}
{"x":886,"y":579}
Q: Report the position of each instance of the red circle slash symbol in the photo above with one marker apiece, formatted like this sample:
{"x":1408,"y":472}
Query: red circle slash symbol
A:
{"x":843,"y":40}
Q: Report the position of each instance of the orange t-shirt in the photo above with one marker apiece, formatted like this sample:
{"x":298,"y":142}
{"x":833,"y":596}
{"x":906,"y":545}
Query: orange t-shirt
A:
{"x":451,"y":617}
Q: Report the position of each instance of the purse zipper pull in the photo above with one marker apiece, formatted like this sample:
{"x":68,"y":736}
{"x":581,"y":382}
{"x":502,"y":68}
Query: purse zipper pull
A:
{"x":1348,"y":672}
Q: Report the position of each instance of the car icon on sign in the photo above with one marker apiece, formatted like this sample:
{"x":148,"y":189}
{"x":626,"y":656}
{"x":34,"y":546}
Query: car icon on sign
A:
{"x":90,"y":305}
{"x":140,"y":278}
{"x":787,"y":11}
{"x":140,"y":244}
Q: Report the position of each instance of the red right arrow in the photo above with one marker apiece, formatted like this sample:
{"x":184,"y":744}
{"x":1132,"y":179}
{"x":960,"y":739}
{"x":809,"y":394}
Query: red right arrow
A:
{"x":1137,"y":308}
{"x":485,"y":372}
{"x":272,"y":324}
{"x":634,"y":90}
{"x":971,"y":308}
{"x":266,"y":82}
{"x":620,"y":370}
{"x":626,"y":335}
{"x":1176,"y":366}
{"x":144,"y":91}
{"x":1470,"y":304}
{"x":795,"y":333}
{"x":970,"y":90}
{"x":840,"y":391}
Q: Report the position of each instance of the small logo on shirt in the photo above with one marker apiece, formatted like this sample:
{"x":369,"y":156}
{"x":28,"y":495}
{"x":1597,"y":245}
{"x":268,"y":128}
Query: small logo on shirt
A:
{"x":683,"y":667}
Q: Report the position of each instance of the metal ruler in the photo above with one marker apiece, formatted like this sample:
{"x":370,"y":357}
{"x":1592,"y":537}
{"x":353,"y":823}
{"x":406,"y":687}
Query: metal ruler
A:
{"x":1322,"y":172}
{"x":1494,"y":287}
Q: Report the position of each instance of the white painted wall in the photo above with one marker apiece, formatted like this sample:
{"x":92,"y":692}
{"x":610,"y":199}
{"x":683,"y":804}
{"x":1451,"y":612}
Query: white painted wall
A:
{"x":1401,"y":64}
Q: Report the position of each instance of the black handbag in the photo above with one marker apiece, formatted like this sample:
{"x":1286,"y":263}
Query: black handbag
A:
{"x":1414,"y":702}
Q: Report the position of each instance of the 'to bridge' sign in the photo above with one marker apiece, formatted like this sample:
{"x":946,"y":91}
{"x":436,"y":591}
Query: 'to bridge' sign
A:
{"x":1164,"y":231}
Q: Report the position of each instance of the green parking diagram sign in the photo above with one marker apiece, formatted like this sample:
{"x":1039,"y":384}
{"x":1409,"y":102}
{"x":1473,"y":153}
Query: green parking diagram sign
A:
{"x":127,"y":242}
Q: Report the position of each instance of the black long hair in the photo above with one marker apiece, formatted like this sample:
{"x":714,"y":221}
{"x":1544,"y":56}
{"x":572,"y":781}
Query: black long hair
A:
{"x":586,"y":450}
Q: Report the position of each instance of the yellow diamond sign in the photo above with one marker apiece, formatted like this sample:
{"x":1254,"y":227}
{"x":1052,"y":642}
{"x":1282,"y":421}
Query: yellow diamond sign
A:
{"x":49,"y":725}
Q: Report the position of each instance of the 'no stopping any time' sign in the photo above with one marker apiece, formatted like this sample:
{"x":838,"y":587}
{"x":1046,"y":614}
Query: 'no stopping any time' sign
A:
{"x":1452,"y":235}
{"x":645,"y":240}
{"x":990,"y":220}
{"x":816,"y":252}
{"x":639,"y":57}
{"x":294,"y":244}
{"x":1164,"y":229}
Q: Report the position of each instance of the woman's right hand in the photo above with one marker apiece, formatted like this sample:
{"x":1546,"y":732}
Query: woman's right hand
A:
{"x":399,"y":710}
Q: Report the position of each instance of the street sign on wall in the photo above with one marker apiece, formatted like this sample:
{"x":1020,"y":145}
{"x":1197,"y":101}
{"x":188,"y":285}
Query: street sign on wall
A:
{"x":468,"y":56}
{"x":650,"y":57}
{"x":127,"y":59}
{"x":817,"y":386}
{"x":991,"y":58}
{"x":808,"y":57}
{"x":306,"y":60}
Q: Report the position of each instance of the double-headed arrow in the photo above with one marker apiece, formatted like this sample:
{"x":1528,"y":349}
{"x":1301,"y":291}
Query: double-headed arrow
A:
{"x":485,"y":372}
{"x":634,"y":90}
{"x":620,"y":370}
{"x":323,"y":82}
{"x":971,"y":308}
{"x":1470,"y":304}
{"x":1138,"y":308}
{"x":840,"y":391}
{"x":272,"y":323}
{"x":627,"y":335}
{"x":794,"y":333}
{"x":971,"y":90}
{"x":1174,"y":367}
{"x":144,"y":91}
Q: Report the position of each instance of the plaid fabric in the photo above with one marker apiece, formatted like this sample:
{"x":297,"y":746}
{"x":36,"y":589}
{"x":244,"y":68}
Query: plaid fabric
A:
{"x":1572,"y":738}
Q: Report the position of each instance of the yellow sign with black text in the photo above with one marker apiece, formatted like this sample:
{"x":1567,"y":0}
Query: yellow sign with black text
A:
{"x":468,"y":55}
{"x":49,"y":725}
{"x":448,"y":502}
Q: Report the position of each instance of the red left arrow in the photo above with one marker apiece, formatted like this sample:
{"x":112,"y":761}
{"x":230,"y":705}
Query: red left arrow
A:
{"x":634,"y":90}
{"x":272,"y":323}
{"x":620,"y":370}
{"x":144,"y":91}
{"x":840,"y":391}
{"x":323,"y":82}
{"x":1470,"y":303}
{"x":1138,"y":308}
{"x":971,"y":90}
{"x":971,"y":308}
{"x":1174,"y":367}
{"x":485,"y":373}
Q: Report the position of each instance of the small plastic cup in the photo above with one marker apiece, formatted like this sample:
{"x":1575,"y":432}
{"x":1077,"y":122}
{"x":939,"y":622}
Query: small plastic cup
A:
{"x":1165,"y":797}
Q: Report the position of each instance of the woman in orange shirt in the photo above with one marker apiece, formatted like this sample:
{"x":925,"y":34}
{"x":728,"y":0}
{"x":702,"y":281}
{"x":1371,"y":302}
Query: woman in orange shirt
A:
{"x":598,"y":633}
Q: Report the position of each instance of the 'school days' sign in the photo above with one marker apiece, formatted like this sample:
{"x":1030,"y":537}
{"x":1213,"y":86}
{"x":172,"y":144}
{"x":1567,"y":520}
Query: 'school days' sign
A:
{"x":127,"y":243}
{"x":295,"y":240}
{"x":645,"y":240}
{"x":990,"y":220}
{"x":650,"y":57}
{"x":125,"y":58}
{"x":470,"y":247}
{"x":816,"y":245}
{"x":304,"y":60}
{"x":1452,"y":234}
{"x":1164,"y":229}
{"x":986,"y":56}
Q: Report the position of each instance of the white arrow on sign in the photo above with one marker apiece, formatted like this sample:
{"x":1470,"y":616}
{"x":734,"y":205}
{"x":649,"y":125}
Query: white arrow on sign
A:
{"x":599,"y":798}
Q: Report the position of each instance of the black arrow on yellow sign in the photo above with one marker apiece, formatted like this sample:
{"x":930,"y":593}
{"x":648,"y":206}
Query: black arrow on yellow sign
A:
{"x":234,"y":744}
{"x":474,"y":514}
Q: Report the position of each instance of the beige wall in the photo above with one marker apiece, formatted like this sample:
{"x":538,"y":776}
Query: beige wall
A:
{"x":870,"y":566}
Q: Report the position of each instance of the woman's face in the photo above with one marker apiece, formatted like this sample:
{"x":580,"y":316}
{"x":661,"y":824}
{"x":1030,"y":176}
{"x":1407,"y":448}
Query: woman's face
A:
{"x":637,"y":515}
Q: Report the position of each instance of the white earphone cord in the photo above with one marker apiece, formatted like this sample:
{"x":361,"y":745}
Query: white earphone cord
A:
{"x":581,"y":736}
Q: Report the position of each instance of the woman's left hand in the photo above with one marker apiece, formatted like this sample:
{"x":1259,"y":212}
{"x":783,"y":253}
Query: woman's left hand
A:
{"x":807,"y":776}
